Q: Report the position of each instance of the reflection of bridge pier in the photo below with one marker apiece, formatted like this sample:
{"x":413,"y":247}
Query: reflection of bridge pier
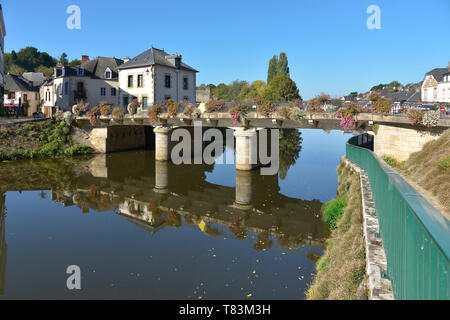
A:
{"x":161,"y":177}
{"x":244,"y":188}
{"x":2,"y":242}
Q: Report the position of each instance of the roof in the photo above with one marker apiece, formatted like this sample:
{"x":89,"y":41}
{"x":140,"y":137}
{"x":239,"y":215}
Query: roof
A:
{"x":415,"y":97}
{"x":17,"y":83}
{"x":96,"y":68}
{"x":151,"y":57}
{"x":401,"y":96}
{"x":438,"y":73}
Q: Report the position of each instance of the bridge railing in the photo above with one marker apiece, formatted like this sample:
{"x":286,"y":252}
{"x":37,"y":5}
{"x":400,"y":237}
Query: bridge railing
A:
{"x":416,"y":237}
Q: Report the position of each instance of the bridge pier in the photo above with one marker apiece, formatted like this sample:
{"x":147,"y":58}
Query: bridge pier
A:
{"x":162,"y":143}
{"x":246,"y":148}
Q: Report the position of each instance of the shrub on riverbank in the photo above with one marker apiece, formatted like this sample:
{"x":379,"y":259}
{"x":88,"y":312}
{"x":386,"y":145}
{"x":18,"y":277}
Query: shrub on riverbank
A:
{"x":426,"y":168}
{"x":38,"y":140}
{"x":341,"y":270}
{"x":332,"y":211}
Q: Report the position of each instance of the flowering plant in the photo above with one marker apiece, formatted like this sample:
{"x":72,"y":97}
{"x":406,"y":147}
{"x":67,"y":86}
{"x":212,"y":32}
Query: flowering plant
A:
{"x":347,"y":116}
{"x":238,"y":113}
{"x":133,"y":106}
{"x":215,"y":105}
{"x":154,"y":112}
{"x":266,"y":109}
{"x":93,"y":115}
{"x":415,"y":116}
{"x":172,"y":107}
{"x":431,"y":118}
{"x":105,"y":109}
{"x":118,"y":114}
{"x":284,"y":112}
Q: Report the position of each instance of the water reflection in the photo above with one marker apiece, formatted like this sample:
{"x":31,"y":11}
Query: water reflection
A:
{"x":164,"y":200}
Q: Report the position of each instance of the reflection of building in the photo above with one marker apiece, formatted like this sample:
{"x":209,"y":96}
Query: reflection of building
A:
{"x":2,"y":52}
{"x":2,"y":242}
{"x":154,"y":76}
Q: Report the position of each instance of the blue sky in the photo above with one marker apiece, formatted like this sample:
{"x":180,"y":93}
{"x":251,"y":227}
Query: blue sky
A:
{"x":329,"y":47}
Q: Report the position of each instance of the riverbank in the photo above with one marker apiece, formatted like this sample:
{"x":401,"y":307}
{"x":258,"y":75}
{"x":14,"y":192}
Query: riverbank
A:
{"x":341,"y":270}
{"x":41,"y":139}
{"x":428,"y":171}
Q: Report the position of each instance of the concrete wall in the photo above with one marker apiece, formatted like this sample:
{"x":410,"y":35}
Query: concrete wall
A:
{"x":399,"y":142}
{"x":118,"y":138}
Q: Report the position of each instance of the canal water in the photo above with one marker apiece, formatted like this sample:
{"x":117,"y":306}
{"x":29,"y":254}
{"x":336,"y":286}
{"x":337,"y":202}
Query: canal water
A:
{"x":141,"y":229}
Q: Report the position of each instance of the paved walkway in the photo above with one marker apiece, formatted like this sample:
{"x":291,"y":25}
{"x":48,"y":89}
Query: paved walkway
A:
{"x":6,"y":121}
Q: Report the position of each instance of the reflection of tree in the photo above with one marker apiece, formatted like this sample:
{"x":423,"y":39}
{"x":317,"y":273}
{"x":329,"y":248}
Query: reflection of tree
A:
{"x":290,"y":147}
{"x":2,"y":242}
{"x":262,"y":242}
{"x":211,"y":231}
{"x":173,"y":219}
{"x":239,"y":232}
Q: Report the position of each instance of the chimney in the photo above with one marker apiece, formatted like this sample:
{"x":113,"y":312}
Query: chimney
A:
{"x":175,"y":59}
{"x":126,"y":59}
{"x":84,"y":58}
{"x":449,"y":66}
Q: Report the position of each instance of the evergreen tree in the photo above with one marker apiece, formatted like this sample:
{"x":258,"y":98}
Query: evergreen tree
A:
{"x":282,"y":66}
{"x":273,"y":67}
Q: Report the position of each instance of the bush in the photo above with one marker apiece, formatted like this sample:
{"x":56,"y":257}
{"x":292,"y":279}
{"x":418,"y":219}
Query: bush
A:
{"x":444,"y":164}
{"x":284,"y":112}
{"x":133,"y":106}
{"x":105,"y":108}
{"x":238,"y":113}
{"x":431,"y":118}
{"x":266,"y":109}
{"x":154,"y":112}
{"x":390,"y":161}
{"x":415,"y":116}
{"x":215,"y":105}
{"x":172,"y":107}
{"x":297,"y":114}
{"x":333,"y":210}
{"x":118,"y":114}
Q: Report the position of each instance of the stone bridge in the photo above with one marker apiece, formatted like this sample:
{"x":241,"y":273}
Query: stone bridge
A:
{"x":394,"y":135}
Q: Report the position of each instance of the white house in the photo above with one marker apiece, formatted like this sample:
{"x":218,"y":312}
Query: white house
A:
{"x":2,"y":52}
{"x":436,"y":85}
{"x":20,"y":92}
{"x":93,"y":81}
{"x":155,"y":76}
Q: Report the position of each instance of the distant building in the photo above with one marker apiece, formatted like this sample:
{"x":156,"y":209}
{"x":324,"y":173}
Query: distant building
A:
{"x":2,"y":53}
{"x":204,"y":95}
{"x":20,"y":95}
{"x":155,"y":76}
{"x":93,"y":81}
{"x":436,"y":85}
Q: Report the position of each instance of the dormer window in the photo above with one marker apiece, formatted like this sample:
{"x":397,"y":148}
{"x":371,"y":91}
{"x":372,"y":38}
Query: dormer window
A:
{"x":80,"y":71}
{"x":108,"y":73}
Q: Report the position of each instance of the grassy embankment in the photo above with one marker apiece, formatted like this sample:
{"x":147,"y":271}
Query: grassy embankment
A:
{"x":38,"y":140}
{"x":341,"y":270}
{"x":429,"y":168}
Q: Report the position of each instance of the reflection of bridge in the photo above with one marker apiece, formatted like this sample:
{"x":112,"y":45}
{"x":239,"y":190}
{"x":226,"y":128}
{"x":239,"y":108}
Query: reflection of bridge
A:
{"x":154,"y":194}
{"x":395,"y":135}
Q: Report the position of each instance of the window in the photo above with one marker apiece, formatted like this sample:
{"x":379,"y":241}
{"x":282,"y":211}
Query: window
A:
{"x":66,"y":88}
{"x":144,"y":102}
{"x":80,"y":71}
{"x":130,"y":81}
{"x":185,"y":83}
{"x":108,"y":73}
{"x":113,"y":92}
{"x":25,"y":97}
{"x":140,"y":80}
{"x":167,"y":82}
{"x":102,"y":92}
{"x":36,"y":96}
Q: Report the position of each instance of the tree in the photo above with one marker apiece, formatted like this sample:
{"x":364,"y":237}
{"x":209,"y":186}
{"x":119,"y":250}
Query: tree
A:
{"x":63,"y":59}
{"x":74,"y":63}
{"x":282,"y":66}
{"x":272,"y":72}
{"x":28,"y":59}
{"x":290,"y":147}
{"x":282,"y":88}
{"x":353,"y":94}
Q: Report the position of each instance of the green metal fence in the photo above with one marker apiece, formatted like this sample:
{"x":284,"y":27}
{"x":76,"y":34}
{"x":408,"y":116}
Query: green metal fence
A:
{"x":416,"y":237}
